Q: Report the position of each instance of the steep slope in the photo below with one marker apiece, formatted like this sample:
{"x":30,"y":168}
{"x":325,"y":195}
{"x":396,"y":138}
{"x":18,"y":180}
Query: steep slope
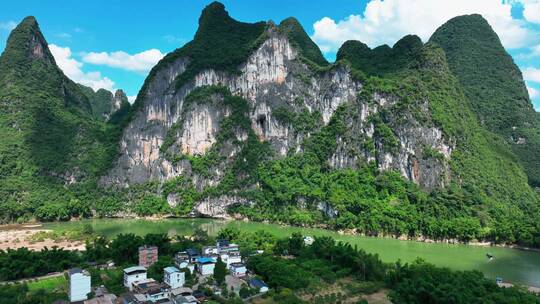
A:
{"x":275,"y":136}
{"x":494,"y":85}
{"x":301,"y":41}
{"x":103,"y":102}
{"x":49,"y":138}
{"x":486,"y":179}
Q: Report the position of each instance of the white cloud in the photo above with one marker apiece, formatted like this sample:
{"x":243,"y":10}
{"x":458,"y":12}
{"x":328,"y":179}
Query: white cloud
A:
{"x":173,"y":39}
{"x":132,"y":98}
{"x":140,"y":62}
{"x":63,"y":35}
{"x":531,"y":11}
{"x":385,"y":22}
{"x":8,"y":25}
{"x":533,"y":93}
{"x":72,"y":69}
{"x":531,"y":74}
{"x":536,"y":50}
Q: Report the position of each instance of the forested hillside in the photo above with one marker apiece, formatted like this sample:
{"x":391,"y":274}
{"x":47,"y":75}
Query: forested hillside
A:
{"x":249,"y":119}
{"x":494,"y":86}
{"x":50,"y":138}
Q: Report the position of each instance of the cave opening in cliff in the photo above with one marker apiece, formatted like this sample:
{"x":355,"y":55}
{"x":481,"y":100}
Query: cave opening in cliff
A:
{"x":261,"y":122}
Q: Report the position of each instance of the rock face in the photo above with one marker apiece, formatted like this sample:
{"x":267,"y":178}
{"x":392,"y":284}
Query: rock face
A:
{"x":272,"y":78}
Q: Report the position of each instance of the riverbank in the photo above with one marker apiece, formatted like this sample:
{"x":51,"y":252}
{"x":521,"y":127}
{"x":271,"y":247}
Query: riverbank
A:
{"x":515,"y":266}
{"x":18,"y":236}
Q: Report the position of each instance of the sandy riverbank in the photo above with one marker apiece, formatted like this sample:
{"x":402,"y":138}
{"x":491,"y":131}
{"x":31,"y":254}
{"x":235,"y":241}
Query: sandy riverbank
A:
{"x":17,"y":236}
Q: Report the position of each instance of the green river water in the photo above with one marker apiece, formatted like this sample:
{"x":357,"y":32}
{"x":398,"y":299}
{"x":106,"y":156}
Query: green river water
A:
{"x":513,"y":265}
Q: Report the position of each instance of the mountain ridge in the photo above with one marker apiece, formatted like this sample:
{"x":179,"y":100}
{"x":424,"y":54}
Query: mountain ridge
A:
{"x":251,"y":119}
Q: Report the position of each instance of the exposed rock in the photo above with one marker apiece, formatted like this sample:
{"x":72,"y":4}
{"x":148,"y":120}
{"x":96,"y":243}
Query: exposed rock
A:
{"x":217,"y":206}
{"x":273,"y":76}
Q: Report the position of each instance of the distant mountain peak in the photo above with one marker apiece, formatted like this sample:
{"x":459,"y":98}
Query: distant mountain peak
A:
{"x":25,"y":44}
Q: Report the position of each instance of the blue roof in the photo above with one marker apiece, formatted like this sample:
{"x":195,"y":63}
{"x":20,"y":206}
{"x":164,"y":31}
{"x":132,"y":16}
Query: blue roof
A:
{"x":205,"y":260}
{"x":257,"y":283}
{"x":171,"y":269}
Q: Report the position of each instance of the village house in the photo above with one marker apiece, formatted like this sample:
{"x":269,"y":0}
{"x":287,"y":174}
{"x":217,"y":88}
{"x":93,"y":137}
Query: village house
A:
{"x":173,"y":277}
{"x":148,"y":255}
{"x":182,"y":291}
{"x":79,"y":284}
{"x":259,"y":285}
{"x":131,"y":298}
{"x":179,"y":299}
{"x":231,"y":257}
{"x":210,"y":250}
{"x":152,"y":290}
{"x":205,"y":265}
{"x":133,"y":274}
{"x":102,"y":296}
{"x":193,"y":254}
{"x":182,"y":260}
{"x":230,"y":253}
{"x":238,"y":269}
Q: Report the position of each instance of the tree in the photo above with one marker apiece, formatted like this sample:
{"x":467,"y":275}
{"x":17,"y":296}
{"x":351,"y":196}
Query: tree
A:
{"x":296,"y":243}
{"x":97,"y":250}
{"x":156,"y":270}
{"x":125,"y":248}
{"x":160,"y":240}
{"x":220,"y":271}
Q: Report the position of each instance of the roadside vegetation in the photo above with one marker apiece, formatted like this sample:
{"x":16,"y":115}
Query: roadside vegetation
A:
{"x":296,"y":272}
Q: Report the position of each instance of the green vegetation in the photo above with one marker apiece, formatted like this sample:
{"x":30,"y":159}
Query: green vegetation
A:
{"x":220,"y":271}
{"x":381,"y":60}
{"x":102,"y":100}
{"x":55,"y":148}
{"x":424,"y":283}
{"x":49,"y":284}
{"x":488,"y":196}
{"x":295,"y":272}
{"x":50,"y":137}
{"x":24,"y":263}
{"x":301,"y":41}
{"x":303,"y":121}
{"x":494,"y":86}
{"x":21,"y":294}
{"x":242,"y":168}
{"x":220,"y":43}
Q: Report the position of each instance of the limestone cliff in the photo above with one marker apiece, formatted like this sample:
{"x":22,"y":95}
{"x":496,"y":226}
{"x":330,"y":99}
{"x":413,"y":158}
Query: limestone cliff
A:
{"x":274,"y":79}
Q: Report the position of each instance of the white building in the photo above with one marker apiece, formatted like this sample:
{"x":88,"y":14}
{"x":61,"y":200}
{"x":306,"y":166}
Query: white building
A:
{"x":231,"y":257}
{"x":210,"y":250}
{"x":205,"y":265}
{"x":182,"y":260}
{"x":174,"y":277}
{"x":134,"y":274}
{"x":79,"y":284}
{"x":238,"y":269}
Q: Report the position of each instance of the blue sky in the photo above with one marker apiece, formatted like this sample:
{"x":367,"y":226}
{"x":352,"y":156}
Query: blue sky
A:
{"x":113,"y":44}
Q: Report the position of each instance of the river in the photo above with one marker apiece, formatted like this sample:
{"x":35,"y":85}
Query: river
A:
{"x":513,"y":265}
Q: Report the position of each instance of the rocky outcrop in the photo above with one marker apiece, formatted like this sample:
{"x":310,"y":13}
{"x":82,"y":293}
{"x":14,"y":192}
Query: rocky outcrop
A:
{"x":217,"y":206}
{"x":273,"y":77}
